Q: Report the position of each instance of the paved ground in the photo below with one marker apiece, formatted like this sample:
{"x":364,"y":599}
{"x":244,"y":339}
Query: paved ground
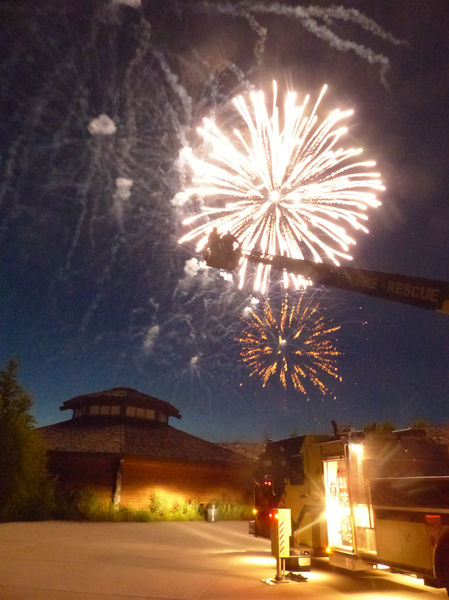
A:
{"x":166,"y":561}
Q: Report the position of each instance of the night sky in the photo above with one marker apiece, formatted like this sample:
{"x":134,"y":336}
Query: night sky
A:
{"x":97,"y":100}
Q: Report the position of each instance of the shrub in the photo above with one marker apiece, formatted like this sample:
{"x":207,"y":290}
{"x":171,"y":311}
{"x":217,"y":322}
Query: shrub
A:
{"x":26,"y":489}
{"x":86,"y":505}
{"x":163,"y":509}
{"x":233,"y":512}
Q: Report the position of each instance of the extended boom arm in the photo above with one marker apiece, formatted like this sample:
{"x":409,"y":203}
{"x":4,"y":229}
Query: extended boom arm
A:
{"x":417,"y":291}
{"x":424,"y":293}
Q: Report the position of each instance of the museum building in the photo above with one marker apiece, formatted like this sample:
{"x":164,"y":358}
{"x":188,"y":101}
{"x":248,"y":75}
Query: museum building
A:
{"x":120,"y":444}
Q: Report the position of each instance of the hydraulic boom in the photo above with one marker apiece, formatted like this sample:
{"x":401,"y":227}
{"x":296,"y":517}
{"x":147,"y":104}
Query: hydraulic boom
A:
{"x":416,"y":291}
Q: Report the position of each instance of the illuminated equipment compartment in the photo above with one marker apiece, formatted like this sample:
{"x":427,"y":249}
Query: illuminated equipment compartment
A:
{"x":412,"y":514}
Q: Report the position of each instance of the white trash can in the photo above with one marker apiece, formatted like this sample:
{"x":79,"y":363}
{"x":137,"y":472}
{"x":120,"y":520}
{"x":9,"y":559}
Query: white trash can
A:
{"x":211,"y":513}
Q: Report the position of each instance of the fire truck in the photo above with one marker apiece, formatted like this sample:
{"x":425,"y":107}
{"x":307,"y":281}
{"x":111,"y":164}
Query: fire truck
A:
{"x":364,"y":499}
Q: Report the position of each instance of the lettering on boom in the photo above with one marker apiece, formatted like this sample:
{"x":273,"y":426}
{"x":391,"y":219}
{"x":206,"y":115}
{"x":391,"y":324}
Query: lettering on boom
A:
{"x":366,"y":281}
{"x":416,"y":291}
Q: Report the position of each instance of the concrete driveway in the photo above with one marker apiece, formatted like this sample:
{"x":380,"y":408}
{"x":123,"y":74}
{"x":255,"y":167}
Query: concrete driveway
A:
{"x":165,"y":561}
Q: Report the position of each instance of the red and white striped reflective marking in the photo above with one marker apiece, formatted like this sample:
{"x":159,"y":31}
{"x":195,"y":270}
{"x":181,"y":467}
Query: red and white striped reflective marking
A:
{"x":281,"y":538}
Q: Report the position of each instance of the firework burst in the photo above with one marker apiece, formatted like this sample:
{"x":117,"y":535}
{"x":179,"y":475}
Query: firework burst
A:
{"x":284,"y":186}
{"x":296,"y":346}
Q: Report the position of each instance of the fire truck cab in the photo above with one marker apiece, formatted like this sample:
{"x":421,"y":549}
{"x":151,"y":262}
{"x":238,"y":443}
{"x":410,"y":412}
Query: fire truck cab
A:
{"x":289,"y":475}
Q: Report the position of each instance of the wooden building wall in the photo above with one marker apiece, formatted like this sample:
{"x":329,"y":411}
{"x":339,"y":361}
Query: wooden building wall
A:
{"x":142,"y":477}
{"x":187,"y":481}
{"x":78,"y":470}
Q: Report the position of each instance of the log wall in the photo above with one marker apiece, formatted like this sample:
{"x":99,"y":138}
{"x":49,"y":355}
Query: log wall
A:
{"x":141,"y":478}
{"x":186,"y":481}
{"x":78,"y":470}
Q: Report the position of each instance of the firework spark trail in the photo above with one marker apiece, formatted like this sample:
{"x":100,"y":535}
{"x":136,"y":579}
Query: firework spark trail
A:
{"x":308,"y":16}
{"x":296,"y":346}
{"x":339,"y":13}
{"x":282,"y":188}
{"x":72,"y":153}
{"x":192,"y":335}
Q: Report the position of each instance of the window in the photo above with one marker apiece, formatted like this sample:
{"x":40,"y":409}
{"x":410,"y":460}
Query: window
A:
{"x":150,"y":413}
{"x":141,"y":412}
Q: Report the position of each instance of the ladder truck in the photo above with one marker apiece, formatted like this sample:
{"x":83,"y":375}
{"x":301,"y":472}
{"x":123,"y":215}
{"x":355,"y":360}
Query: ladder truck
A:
{"x":364,"y":500}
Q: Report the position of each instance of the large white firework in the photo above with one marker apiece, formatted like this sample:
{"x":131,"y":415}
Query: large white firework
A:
{"x":284,"y":185}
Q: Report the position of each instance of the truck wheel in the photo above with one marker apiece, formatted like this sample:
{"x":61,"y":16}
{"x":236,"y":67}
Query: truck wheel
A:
{"x":442,"y":563}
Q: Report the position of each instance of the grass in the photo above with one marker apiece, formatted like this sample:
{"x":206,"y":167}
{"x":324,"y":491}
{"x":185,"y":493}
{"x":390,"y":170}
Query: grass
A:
{"x":86,"y":505}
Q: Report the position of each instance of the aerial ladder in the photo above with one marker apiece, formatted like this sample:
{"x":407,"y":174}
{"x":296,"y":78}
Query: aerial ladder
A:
{"x":430,"y":294}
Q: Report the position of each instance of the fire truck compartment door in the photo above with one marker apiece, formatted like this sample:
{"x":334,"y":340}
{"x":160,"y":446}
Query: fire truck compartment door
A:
{"x":403,"y":542}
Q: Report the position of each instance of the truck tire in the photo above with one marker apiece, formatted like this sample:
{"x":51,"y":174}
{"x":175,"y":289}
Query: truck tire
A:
{"x":442,"y":562}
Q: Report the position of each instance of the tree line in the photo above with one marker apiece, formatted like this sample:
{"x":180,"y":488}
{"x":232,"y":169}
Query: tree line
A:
{"x":27,"y":491}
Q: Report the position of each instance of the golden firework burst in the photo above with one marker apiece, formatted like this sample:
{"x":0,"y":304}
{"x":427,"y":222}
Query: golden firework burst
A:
{"x":297,"y":345}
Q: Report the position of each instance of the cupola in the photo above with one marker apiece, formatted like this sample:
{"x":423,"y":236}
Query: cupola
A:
{"x":118,"y":404}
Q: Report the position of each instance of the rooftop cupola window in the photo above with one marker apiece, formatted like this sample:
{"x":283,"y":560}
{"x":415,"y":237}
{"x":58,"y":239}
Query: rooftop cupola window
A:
{"x":120,"y":403}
